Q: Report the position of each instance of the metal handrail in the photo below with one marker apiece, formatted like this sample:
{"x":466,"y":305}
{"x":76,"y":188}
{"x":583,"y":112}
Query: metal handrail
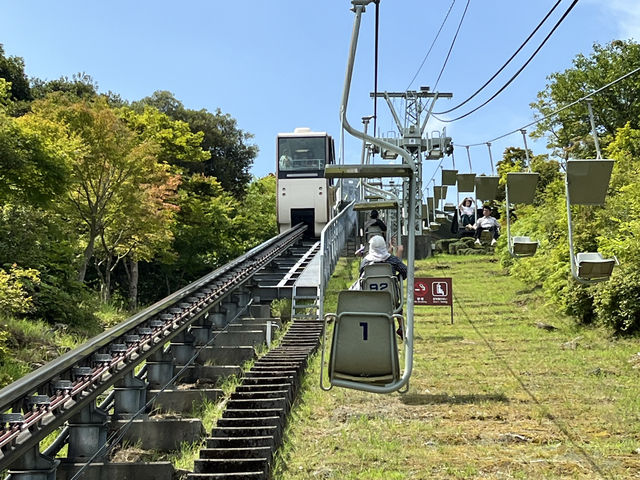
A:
{"x":15,"y":392}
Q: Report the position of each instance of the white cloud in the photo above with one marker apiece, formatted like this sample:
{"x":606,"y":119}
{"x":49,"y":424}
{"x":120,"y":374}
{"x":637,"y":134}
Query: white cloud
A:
{"x":626,"y":13}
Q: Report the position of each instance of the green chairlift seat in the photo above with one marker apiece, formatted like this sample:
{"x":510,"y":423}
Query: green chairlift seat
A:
{"x":364,"y":348}
{"x":520,"y":188}
{"x":593,"y":266}
{"x":487,"y":187}
{"x":587,"y":182}
{"x":523,"y":246}
{"x":449,"y":177}
{"x":466,"y":182}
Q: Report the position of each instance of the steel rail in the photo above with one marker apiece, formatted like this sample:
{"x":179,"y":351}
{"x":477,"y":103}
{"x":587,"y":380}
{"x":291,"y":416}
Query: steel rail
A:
{"x":65,"y":402}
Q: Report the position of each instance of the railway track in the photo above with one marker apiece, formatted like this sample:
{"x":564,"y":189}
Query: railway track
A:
{"x":122,"y":368}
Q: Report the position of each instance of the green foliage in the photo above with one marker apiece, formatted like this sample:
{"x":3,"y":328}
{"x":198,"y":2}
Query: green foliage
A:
{"x":231,"y":156}
{"x":31,"y":170}
{"x":12,"y":70}
{"x":16,"y":286}
{"x":281,"y":308}
{"x":569,"y":132}
{"x":617,"y":302}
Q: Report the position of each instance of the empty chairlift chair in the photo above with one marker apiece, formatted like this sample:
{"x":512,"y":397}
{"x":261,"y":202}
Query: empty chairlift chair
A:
{"x":364,"y":348}
{"x":586,"y":183}
{"x":520,"y":188}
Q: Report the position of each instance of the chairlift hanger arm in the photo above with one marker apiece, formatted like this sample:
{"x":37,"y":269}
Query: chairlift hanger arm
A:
{"x":428,"y":115}
{"x":393,"y":112}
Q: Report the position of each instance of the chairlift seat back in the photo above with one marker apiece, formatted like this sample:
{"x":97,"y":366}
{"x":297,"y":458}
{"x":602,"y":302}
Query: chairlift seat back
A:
{"x":449,"y":177}
{"x":487,"y":187}
{"x":364,"y":347}
{"x":592,"y":265}
{"x":378,"y":268}
{"x":524,"y":246}
{"x":430,"y":203}
{"x":522,"y":186}
{"x":466,"y":182}
{"x":379,"y":282}
{"x":588,"y":181}
{"x":449,"y":207}
{"x":439,"y":192}
{"x":372,"y":231}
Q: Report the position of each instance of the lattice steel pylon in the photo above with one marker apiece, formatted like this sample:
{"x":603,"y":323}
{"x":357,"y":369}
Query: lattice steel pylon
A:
{"x":413,"y":138}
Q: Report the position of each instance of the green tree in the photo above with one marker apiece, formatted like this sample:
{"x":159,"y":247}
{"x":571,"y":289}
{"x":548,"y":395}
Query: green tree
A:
{"x":569,"y":132}
{"x":231,"y":154}
{"x":12,"y":70}
{"x":31,"y":170}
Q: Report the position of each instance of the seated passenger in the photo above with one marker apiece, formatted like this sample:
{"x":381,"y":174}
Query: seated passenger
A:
{"x":378,"y":253}
{"x":374,"y":226}
{"x":467,"y":212}
{"x":486,"y":222}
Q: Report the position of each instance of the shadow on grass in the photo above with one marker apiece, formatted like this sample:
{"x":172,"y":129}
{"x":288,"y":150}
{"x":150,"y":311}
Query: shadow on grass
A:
{"x":443,"y":398}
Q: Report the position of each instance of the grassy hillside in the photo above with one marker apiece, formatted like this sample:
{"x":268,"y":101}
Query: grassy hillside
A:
{"x":493,"y":396}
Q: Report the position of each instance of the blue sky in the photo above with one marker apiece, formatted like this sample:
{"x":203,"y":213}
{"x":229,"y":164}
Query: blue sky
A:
{"x":276,"y":65}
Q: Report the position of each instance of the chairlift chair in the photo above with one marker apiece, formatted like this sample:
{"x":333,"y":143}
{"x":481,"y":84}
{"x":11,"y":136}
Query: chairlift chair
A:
{"x":466,"y":182}
{"x":364,"y":350}
{"x":486,"y":187}
{"x":586,"y":183}
{"x":449,"y":177}
{"x":520,"y":188}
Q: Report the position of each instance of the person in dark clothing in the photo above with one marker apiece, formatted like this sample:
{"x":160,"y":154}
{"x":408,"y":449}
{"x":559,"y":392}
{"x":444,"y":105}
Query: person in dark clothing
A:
{"x":374,"y":226}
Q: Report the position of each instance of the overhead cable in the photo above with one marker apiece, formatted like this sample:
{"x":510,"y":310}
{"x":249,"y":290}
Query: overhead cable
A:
{"x":506,"y":63}
{"x":515,"y":75}
{"x":432,"y":44}
{"x":554,"y":113}
{"x":453,"y":42}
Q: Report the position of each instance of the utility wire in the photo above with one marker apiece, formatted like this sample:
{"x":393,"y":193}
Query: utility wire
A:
{"x":517,"y":73}
{"x":554,"y":113}
{"x":435,"y":86}
{"x":432,"y":44}
{"x":453,"y":42}
{"x":506,"y":63}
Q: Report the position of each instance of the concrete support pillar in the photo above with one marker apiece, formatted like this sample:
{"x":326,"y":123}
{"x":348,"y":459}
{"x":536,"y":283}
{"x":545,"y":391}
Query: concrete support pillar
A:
{"x":231,"y":308}
{"x":130,"y":396}
{"x":34,"y":466}
{"x":87,"y":433}
{"x":160,"y":369}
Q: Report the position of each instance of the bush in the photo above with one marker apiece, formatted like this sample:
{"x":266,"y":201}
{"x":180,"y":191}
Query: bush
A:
{"x":617,"y":302}
{"x":16,"y":286}
{"x":442,"y":245}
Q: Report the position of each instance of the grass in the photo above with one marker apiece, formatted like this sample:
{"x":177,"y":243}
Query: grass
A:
{"x":491,"y":397}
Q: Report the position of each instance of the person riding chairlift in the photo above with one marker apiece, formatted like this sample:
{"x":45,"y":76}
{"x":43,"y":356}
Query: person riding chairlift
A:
{"x":486,"y":222}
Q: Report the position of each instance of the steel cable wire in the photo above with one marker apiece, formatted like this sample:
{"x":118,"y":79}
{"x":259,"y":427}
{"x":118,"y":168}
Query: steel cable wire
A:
{"x":515,"y":75}
{"x":505,"y":64}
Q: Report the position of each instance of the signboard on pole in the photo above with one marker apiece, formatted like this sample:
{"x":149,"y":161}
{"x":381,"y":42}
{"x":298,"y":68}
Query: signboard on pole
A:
{"x":433,"y":291}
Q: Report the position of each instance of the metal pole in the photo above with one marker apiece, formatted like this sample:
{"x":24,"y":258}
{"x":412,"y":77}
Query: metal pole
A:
{"x":491,"y":158}
{"x":526,"y":148}
{"x":593,"y":130}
